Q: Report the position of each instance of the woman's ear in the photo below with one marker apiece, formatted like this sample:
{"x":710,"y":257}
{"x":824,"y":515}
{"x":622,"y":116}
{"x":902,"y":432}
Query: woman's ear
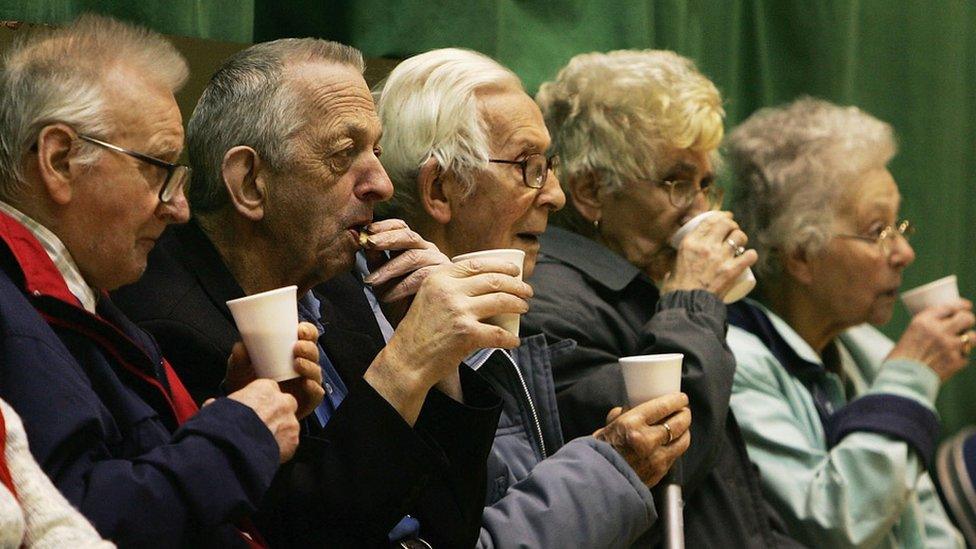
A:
{"x":584,"y":188}
{"x":245,"y":182}
{"x":800,"y":266}
{"x":57,"y":168}
{"x":435,"y":190}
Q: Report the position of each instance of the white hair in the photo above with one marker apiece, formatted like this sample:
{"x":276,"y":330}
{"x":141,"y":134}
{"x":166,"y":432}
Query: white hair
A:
{"x":790,"y":164}
{"x":620,"y":115}
{"x":58,"y":75}
{"x":249,"y":101}
{"x":429,"y":109}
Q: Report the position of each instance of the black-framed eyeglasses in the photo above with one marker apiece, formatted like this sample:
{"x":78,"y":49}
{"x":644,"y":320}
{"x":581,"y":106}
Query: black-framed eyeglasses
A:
{"x":886,"y":237}
{"x":176,"y":174}
{"x":535,"y":168}
{"x":682,"y":192}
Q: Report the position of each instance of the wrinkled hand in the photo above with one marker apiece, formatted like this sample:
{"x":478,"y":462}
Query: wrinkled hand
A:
{"x":412,"y":259}
{"x":640,"y":437}
{"x":276,"y":409}
{"x":705,"y":259}
{"x":444,"y":325}
{"x":307,"y":389}
{"x":933,"y":338}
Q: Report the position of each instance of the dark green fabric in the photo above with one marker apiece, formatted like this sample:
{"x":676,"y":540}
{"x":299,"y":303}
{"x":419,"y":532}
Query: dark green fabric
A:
{"x":226,"y":20}
{"x":909,"y":62}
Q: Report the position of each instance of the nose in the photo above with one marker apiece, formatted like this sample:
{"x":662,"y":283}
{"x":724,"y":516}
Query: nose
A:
{"x":902,"y":253}
{"x":551,"y":194}
{"x":177,"y":210}
{"x":373,"y":185}
{"x":699,"y":204}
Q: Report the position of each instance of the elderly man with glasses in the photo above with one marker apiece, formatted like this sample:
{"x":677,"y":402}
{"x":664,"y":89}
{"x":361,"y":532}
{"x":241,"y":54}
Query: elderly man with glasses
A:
{"x":107,"y":418}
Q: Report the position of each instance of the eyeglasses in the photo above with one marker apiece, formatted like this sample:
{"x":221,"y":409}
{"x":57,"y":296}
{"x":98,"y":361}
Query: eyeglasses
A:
{"x":682,"y":193}
{"x":535,"y":168}
{"x":886,"y":237}
{"x":176,"y":174}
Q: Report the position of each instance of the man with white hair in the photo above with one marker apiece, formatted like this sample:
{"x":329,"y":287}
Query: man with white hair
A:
{"x":465,"y":147}
{"x":89,"y":135}
{"x":284,"y":142}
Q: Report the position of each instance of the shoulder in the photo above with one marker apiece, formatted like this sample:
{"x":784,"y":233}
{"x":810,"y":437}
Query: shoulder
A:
{"x":754,"y":362}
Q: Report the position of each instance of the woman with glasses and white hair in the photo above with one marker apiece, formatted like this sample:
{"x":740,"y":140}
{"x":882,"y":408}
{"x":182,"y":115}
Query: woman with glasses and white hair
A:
{"x":637,"y":134}
{"x":840,"y":420}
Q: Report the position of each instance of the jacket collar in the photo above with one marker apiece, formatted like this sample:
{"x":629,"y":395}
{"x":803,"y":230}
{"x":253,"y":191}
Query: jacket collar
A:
{"x":38,"y":274}
{"x":201,"y":257}
{"x":589,"y":257}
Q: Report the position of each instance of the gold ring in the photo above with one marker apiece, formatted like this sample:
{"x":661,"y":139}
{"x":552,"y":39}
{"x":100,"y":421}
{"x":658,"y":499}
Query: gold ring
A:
{"x":670,"y":434}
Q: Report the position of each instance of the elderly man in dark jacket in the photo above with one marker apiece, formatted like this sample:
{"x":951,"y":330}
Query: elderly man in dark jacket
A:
{"x":106,"y":417}
{"x":465,"y":147}
{"x":284,"y":145}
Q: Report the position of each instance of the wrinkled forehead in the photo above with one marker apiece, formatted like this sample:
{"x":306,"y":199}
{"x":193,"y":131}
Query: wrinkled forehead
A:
{"x":332,"y":97}
{"x":143,"y":111}
{"x":512,"y":118}
{"x":873,"y":192}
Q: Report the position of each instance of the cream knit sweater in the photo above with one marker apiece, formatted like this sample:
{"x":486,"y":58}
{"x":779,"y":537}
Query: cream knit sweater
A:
{"x":39,"y":516}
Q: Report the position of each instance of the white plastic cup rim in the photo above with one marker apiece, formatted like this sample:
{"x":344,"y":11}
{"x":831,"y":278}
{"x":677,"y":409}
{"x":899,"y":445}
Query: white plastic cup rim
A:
{"x":689,"y":226}
{"x":262,"y":295}
{"x":501,"y":253}
{"x":665,"y":357}
{"x":932,"y":293}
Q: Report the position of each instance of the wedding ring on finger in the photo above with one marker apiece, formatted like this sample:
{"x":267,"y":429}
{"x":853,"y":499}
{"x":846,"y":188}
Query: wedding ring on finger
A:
{"x":670,"y":433}
{"x":967,"y":343}
{"x":736,"y":249}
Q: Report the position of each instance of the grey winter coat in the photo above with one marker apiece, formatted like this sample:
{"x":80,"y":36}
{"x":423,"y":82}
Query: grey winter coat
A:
{"x":542,"y":493}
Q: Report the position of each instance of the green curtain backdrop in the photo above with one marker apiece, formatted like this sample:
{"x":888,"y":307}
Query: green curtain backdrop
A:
{"x":909,"y":62}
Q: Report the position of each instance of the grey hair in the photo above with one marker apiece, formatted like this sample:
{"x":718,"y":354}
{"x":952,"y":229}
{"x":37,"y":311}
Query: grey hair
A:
{"x":790,"y":164}
{"x":618,"y":115}
{"x":248,"y":102}
{"x":429,"y":109}
{"x":58,"y":75}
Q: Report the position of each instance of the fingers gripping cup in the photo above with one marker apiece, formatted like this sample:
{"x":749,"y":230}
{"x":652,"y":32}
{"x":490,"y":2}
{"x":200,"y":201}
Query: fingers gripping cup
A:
{"x":743,"y":284}
{"x":937,"y":292}
{"x":268,"y":323}
{"x":648,"y":377}
{"x":508,"y":322}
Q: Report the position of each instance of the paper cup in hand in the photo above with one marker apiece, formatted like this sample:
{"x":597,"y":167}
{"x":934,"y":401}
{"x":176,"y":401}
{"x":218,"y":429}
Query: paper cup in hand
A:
{"x":746,"y":280}
{"x":268,"y":323}
{"x":928,"y":295}
{"x":648,"y":377}
{"x":509,"y":322}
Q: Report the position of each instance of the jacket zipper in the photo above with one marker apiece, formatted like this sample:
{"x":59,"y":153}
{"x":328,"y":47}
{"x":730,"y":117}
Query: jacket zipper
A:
{"x":528,"y":397}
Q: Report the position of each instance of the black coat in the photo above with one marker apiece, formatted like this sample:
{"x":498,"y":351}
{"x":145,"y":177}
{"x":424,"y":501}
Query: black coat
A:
{"x":585,"y":292}
{"x":352,"y":481}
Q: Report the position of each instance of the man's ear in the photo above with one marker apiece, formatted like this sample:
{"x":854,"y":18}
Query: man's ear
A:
{"x":434,"y":191}
{"x":245,"y":181}
{"x":584,"y":190}
{"x":57,"y":164}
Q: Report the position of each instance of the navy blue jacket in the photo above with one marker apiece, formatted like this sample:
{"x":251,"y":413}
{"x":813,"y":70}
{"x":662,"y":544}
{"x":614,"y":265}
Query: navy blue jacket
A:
{"x":110,"y":422}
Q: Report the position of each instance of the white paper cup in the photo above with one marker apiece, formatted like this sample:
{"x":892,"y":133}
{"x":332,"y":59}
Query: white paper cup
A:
{"x":937,"y":292}
{"x":509,"y":322}
{"x":746,"y":280}
{"x":648,"y":377}
{"x":268,"y":323}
